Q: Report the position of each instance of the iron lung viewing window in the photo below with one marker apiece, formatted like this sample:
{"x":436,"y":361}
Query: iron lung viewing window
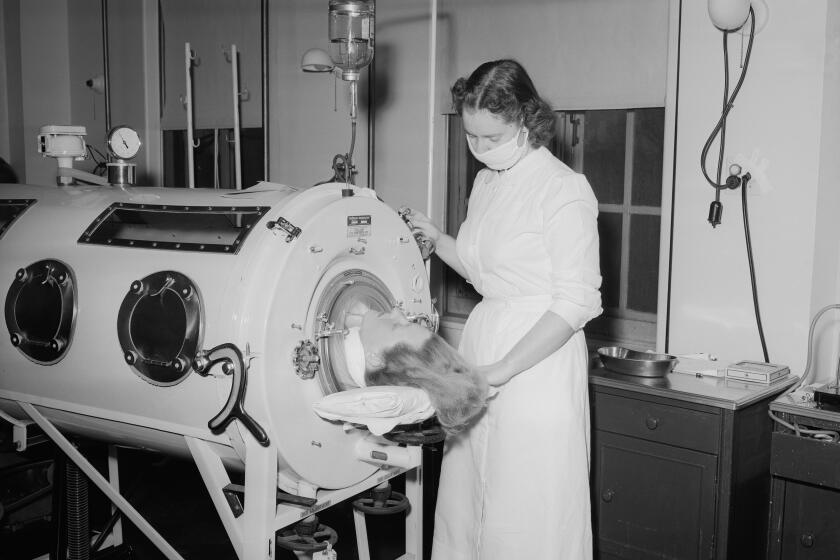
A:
{"x":10,"y":210}
{"x":216,"y":229}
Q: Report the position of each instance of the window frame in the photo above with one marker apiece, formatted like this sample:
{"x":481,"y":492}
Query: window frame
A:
{"x":617,"y":325}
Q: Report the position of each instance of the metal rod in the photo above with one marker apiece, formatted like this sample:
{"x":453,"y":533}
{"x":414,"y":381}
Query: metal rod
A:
{"x":264,"y":88}
{"x":371,"y":139}
{"x":432,"y":85}
{"x":237,"y":154}
{"x":105,"y":65}
{"x":73,"y":454}
{"x":215,"y":158}
{"x":188,"y":103}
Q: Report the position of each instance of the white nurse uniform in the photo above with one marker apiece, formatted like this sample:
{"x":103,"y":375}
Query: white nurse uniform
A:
{"x":516,"y":484}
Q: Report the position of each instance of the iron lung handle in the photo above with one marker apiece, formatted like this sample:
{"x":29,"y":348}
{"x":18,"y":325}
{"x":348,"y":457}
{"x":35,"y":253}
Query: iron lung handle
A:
{"x":232,"y":363}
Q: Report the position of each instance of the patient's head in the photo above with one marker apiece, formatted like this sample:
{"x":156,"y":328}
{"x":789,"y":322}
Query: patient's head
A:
{"x":399,"y":352}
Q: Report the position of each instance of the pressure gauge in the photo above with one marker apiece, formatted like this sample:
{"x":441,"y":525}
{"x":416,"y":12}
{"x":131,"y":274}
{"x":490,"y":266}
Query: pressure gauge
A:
{"x":124,"y":142}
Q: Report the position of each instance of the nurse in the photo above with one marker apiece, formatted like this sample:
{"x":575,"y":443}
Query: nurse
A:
{"x":516,"y":484}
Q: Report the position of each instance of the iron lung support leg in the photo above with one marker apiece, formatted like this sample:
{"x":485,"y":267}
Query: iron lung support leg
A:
{"x":116,"y":498}
{"x":251,"y":531}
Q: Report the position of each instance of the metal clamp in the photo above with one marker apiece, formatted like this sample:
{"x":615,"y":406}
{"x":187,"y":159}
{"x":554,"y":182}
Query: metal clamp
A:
{"x":281,"y":223}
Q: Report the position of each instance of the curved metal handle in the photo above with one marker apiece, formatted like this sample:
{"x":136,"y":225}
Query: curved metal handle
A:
{"x":652,"y":422}
{"x":233,"y":364}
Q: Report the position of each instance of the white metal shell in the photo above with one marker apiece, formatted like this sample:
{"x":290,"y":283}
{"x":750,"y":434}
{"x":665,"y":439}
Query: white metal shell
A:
{"x":262,"y":299}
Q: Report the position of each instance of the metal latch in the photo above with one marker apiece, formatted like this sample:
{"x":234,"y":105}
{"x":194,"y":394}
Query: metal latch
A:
{"x":281,"y":223}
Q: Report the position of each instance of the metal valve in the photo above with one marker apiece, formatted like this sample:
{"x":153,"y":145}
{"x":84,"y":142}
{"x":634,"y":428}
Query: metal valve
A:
{"x":426,"y":245}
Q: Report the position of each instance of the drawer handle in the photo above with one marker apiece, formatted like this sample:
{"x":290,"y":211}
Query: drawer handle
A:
{"x":652,"y":422}
{"x":607,"y":496}
{"x":807,"y":540}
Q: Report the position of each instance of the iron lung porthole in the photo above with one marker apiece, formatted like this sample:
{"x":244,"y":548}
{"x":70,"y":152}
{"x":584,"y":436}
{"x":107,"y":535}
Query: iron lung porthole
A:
{"x":160,"y":327}
{"x":340,"y":295}
{"x":41,"y":310}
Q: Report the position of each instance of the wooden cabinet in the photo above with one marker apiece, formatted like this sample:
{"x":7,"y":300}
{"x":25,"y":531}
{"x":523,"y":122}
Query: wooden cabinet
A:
{"x":805,"y":505}
{"x":679,"y":475}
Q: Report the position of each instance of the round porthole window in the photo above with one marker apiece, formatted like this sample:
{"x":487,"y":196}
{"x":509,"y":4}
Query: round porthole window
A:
{"x":160,"y":327}
{"x":41,"y":310}
{"x":340,"y":295}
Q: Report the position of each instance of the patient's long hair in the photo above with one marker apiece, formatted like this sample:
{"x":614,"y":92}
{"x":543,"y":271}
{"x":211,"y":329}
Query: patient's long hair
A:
{"x":457,"y":391}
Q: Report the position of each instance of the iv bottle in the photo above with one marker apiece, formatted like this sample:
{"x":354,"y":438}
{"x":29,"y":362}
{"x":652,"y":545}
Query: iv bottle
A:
{"x":351,"y":35}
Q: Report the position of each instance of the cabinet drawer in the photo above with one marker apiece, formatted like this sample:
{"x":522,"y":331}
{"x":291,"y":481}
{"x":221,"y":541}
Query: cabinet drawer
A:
{"x":662,"y":423}
{"x":805,"y":459}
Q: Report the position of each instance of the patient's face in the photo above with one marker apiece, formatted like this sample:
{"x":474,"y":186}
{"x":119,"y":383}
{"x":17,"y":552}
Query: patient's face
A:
{"x":380,"y":331}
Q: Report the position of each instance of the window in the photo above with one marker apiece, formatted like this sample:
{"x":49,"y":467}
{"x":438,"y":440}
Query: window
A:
{"x":214,"y":157}
{"x":620,"y":151}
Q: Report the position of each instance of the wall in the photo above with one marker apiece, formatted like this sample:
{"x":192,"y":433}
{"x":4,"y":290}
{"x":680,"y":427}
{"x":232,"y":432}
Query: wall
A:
{"x":580,"y":53}
{"x":57,"y":48}
{"x":780,"y":115}
{"x":826,"y":282}
{"x":87,"y":107}
{"x":45,"y":79}
{"x":11,"y":122}
{"x":309,"y":114}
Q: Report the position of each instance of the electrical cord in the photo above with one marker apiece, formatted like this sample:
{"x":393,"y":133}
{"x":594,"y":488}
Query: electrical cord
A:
{"x":719,"y":174}
{"x":734,"y":181}
{"x":806,"y":374}
{"x":728,"y":104}
{"x":745,"y":212}
{"x":825,"y":435}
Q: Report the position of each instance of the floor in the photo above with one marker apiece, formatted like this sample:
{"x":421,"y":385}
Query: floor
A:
{"x":170,"y":494}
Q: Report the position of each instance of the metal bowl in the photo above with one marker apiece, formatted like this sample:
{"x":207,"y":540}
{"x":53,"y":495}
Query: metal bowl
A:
{"x":632,"y":362}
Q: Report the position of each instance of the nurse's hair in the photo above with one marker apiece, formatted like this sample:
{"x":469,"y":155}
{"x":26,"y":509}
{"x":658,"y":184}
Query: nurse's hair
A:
{"x":504,"y":88}
{"x":456,"y":390}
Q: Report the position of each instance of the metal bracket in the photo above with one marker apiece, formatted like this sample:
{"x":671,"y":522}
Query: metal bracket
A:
{"x":19,"y":430}
{"x":281,"y":223}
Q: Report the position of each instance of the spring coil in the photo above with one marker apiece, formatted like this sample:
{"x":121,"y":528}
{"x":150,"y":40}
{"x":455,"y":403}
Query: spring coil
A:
{"x":78,"y":520}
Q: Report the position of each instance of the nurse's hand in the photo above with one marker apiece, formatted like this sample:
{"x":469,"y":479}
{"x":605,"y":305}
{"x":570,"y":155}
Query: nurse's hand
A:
{"x":497,"y":374}
{"x":418,"y":221}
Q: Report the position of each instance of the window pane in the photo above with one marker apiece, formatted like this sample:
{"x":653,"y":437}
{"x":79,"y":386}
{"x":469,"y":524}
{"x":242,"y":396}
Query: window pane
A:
{"x":647,"y":156}
{"x":644,"y":263}
{"x":609,"y":231}
{"x":458,"y":296}
{"x":604,"y":141}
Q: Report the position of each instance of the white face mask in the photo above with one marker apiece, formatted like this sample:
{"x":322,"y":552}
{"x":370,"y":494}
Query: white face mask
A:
{"x":504,"y":156}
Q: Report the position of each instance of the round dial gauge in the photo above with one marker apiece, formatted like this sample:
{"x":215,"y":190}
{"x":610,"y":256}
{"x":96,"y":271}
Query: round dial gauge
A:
{"x":124,"y":142}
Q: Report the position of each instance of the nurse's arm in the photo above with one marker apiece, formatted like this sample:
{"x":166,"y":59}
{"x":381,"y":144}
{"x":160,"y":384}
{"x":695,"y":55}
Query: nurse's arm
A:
{"x":445,"y":249}
{"x":548,"y":335}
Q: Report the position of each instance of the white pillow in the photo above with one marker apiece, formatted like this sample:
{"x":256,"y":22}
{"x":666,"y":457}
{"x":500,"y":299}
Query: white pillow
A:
{"x":379,"y":408}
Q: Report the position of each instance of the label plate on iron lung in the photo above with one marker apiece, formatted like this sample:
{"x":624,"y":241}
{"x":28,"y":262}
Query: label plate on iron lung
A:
{"x":358,"y":226}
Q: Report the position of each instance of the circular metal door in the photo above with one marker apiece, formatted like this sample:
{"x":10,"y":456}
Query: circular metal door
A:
{"x":41,"y":310}
{"x":160,"y":327}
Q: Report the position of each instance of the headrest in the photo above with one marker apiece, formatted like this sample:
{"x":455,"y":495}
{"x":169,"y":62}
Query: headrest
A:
{"x":354,"y":353}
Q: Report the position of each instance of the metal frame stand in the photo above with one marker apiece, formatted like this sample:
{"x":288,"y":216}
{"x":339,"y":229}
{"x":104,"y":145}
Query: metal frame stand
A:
{"x":252,"y":527}
{"x":413,"y":519}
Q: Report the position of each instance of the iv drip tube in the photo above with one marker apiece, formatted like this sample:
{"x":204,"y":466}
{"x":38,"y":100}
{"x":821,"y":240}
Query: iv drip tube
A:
{"x":188,"y":58}
{"x":234,"y":63}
